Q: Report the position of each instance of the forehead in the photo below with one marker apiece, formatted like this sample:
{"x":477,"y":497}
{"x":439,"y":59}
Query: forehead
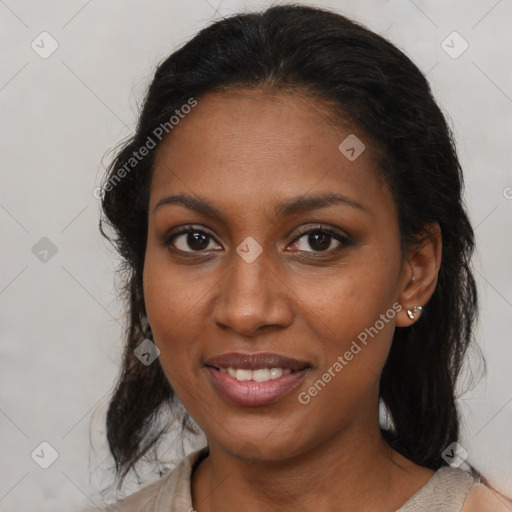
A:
{"x":253,"y":145}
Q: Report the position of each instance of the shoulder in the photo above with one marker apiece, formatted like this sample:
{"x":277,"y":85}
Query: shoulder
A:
{"x":483,"y":499}
{"x":446,"y":490}
{"x":143,"y":499}
{"x":173,"y":489}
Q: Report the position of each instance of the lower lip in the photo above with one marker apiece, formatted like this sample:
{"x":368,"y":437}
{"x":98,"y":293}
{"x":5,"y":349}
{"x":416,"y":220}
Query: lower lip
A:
{"x":251,"y":393}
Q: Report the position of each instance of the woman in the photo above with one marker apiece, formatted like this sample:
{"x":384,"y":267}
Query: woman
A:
{"x":290,"y":215}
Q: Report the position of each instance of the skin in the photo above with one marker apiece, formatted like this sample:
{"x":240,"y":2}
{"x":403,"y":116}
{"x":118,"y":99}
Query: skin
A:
{"x":245,"y":153}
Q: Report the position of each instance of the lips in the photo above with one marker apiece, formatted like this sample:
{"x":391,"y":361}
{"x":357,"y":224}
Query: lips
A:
{"x":255,"y":361}
{"x":288,"y":374}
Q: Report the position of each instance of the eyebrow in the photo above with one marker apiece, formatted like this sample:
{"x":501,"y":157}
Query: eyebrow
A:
{"x":296,"y":205}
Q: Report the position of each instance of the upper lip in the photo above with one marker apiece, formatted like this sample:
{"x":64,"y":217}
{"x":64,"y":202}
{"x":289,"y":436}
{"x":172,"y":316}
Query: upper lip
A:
{"x":255,"y":361}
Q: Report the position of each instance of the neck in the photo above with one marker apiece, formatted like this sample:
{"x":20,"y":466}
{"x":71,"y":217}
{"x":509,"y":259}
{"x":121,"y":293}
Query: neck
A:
{"x":349,"y":473}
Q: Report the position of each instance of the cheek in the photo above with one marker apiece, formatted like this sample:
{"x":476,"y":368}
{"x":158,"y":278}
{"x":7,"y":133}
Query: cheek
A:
{"x":352,"y":297}
{"x":355,"y":342}
{"x":172,"y":304}
{"x":352,"y":311}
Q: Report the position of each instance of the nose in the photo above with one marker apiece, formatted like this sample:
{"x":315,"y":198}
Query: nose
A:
{"x":252,"y":296}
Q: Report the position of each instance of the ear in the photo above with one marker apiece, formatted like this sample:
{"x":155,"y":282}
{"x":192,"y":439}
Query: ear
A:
{"x":420,"y":272}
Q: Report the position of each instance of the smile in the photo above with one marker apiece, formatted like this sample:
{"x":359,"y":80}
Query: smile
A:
{"x":255,"y":379}
{"x":261,"y":375}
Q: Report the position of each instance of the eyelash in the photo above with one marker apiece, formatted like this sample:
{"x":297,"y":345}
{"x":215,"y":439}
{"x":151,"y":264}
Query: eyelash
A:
{"x":340,"y":237}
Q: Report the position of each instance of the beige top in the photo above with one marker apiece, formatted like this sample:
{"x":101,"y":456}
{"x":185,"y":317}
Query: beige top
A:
{"x":446,"y":491}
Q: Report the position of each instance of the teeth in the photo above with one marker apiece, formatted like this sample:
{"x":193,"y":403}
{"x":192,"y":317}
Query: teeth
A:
{"x":260,"y":375}
{"x":275,"y":373}
{"x":243,"y":374}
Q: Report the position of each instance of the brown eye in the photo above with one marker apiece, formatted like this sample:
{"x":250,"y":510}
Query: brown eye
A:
{"x":190,"y":240}
{"x":320,"y":240}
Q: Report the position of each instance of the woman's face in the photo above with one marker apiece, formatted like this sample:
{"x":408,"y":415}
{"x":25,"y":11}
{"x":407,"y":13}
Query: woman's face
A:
{"x":250,"y":286}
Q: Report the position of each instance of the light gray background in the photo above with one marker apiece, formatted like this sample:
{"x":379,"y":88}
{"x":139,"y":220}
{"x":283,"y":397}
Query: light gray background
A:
{"x":61,"y":331}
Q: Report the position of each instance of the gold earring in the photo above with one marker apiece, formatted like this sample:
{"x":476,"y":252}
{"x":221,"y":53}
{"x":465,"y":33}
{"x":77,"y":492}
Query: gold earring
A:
{"x":412,"y":313}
